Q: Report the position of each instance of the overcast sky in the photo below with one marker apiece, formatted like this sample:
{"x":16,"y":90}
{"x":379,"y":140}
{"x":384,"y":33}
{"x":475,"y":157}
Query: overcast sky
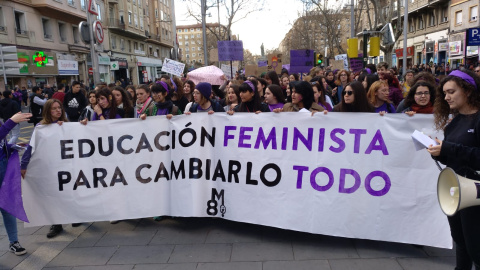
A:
{"x":268,"y":26}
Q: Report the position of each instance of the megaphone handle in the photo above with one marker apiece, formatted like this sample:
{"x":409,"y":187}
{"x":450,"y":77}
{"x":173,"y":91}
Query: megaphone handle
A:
{"x":438,"y":165}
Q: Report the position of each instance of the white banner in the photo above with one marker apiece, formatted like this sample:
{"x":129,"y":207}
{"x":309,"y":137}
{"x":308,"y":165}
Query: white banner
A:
{"x":173,"y":67}
{"x":343,"y":174}
{"x":227,"y":70}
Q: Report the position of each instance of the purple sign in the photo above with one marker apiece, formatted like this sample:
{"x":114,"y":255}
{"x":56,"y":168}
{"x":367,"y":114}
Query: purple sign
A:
{"x":301,"y":61}
{"x":356,"y":64}
{"x":262,"y":63}
{"x":230,"y":50}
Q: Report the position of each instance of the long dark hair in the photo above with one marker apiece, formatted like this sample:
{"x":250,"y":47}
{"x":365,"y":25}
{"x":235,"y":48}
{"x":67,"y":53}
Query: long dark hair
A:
{"x":113,"y":104}
{"x":127,"y":102}
{"x":410,"y":98}
{"x":192,"y":87}
{"x":319,"y":86}
{"x":442,"y":109}
{"x":236,"y":91}
{"x":244,"y":87}
{"x":360,"y":103}
{"x":305,"y":89}
{"x":277,"y":92}
{"x":371,"y":78}
{"x":272,"y":75}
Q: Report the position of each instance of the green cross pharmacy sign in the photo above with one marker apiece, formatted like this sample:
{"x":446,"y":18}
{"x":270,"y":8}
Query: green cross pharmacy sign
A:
{"x":114,"y":65}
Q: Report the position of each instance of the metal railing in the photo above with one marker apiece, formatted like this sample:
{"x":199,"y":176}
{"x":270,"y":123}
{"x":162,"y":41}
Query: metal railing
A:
{"x":21,"y":32}
{"x":116,"y":23}
{"x":47,"y":36}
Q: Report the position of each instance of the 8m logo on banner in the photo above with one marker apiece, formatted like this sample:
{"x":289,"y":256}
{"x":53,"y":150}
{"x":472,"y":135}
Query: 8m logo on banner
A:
{"x":212,"y":204}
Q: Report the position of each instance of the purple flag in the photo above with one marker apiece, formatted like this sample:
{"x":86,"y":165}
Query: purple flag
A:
{"x":11,"y":189}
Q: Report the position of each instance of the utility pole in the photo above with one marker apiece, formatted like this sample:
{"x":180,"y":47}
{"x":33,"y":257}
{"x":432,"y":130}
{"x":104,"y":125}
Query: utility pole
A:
{"x":352,"y":19}
{"x":204,"y":11}
{"x":174,"y":27}
{"x":93,"y":51}
{"x":405,"y":23}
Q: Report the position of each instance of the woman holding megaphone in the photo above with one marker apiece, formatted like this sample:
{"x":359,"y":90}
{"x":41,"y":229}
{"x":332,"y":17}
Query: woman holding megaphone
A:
{"x":459,"y":95}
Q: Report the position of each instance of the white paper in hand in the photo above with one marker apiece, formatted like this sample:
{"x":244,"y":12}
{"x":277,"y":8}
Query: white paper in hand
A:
{"x":422,"y":141}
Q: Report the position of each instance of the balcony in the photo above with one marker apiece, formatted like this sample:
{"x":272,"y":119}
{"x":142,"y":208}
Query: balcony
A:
{"x":21,"y":32}
{"x":120,"y":28}
{"x":114,"y":23}
{"x":67,"y":13}
{"x":112,"y":1}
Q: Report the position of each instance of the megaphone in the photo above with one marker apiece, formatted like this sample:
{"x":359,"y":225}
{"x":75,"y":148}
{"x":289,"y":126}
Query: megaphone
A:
{"x":455,"y":192}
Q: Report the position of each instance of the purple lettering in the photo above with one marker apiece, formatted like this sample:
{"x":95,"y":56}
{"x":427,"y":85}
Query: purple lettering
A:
{"x":297,"y":135}
{"x":321,"y":140}
{"x":271,"y":138}
{"x":228,"y":136}
{"x":313,"y":180}
{"x":284,"y":138}
{"x":343,"y":173}
{"x":381,"y":192}
{"x":244,"y":137}
{"x":381,"y":144}
{"x":340,"y":142}
{"x":358,"y":133}
{"x":300,"y":170}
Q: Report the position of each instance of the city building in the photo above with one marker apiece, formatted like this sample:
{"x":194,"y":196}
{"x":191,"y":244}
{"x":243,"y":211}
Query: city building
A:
{"x":464,"y":15}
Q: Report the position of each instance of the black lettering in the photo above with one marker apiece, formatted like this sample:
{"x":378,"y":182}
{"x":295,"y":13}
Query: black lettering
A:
{"x":64,"y":149}
{"x":81,"y":153}
{"x":120,"y":147}
{"x":204,"y":134}
{"x":63,"y":178}
{"x":195,"y":167}
{"x":118,"y":178}
{"x":219,"y":172}
{"x":100,"y":178}
{"x":81,"y":181}
{"x":207,"y":169}
{"x":249,"y":175}
{"x":185,"y":131}
{"x":157,"y":141}
{"x":265,"y":180}
{"x":139,"y":176}
{"x":110,"y":146}
{"x":162,"y":172}
{"x":181,"y":169}
{"x":144,"y":144}
{"x":233,"y":172}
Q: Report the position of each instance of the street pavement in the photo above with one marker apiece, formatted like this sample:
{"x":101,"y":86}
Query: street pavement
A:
{"x":207,"y":244}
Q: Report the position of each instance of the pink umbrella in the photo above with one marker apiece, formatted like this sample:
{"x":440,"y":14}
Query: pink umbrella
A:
{"x":210,"y":74}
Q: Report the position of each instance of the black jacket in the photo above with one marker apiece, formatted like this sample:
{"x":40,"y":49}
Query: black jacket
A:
{"x":74,"y":104}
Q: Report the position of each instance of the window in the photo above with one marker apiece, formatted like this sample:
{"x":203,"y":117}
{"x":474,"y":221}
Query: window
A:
{"x":142,"y":47}
{"x":47,"y":32}
{"x":186,"y":37}
{"x":2,"y":21}
{"x":188,"y":55}
{"x":199,"y":60}
{"x":70,"y":2}
{"x":99,"y":16}
{"x":134,"y":2}
{"x":444,"y":14}
{"x":135,"y":46}
{"x":199,"y":48}
{"x":191,"y":30}
{"x":193,"y":55}
{"x":156,"y":16}
{"x":135,"y":19}
{"x":129,"y":46}
{"x":141,"y":23}
{"x":458,"y":17}
{"x":122,"y":44}
{"x":180,"y":43}
{"x":473,"y":13}
{"x":186,"y":43}
{"x":179,"y":30}
{"x":113,"y":42}
{"x":20,"y":24}
{"x":187,"y":49}
{"x":193,"y":49}
{"x":193,"y":42}
{"x":76,"y":35}
{"x":432,"y":19}
{"x":180,"y":37}
{"x":83,"y":4}
{"x":412,"y":27}
{"x":192,"y":36}
{"x":198,"y":35}
{"x":130,"y":17}
{"x":420,"y":22}
{"x":62,"y":31}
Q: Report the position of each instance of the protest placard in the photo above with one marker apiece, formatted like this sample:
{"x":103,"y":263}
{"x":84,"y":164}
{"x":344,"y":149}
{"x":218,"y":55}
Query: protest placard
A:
{"x":275,"y":62}
{"x":230,"y":50}
{"x":301,"y":61}
{"x":356,"y":64}
{"x":173,"y":67}
{"x":341,"y":174}
{"x":228,"y":71}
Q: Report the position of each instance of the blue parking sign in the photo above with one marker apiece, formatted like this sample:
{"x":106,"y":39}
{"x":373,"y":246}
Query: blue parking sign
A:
{"x":473,"y":37}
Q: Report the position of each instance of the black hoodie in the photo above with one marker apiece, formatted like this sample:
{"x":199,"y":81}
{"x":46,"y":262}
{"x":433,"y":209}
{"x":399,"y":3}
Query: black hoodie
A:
{"x":74,"y":104}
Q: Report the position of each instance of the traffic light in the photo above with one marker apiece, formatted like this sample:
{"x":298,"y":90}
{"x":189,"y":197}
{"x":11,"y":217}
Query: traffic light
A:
{"x":352,"y":50}
{"x":374,"y":43}
{"x":318,"y":59}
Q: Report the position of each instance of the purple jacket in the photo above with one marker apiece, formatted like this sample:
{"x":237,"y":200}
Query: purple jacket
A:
{"x":4,"y":130}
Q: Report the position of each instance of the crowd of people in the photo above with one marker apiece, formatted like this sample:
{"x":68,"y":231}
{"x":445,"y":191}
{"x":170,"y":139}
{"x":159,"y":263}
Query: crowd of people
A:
{"x":375,"y":89}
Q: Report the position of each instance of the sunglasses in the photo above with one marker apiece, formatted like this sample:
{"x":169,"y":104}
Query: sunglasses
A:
{"x":347,"y":93}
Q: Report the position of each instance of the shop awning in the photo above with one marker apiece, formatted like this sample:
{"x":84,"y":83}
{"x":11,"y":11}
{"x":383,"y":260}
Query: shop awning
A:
{"x":149,"y":62}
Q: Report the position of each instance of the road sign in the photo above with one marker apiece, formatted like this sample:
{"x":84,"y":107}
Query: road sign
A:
{"x":473,"y":37}
{"x":9,"y":61}
{"x":92,"y":7}
{"x":90,"y":71}
{"x":98,"y":31}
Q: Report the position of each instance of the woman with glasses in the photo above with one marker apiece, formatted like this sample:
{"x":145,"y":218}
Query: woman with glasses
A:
{"x":163,"y":103}
{"x":420,"y":99}
{"x":354,"y":99}
{"x":341,"y":82}
{"x":459,"y":95}
{"x":378,"y":97}
{"x":202,"y":100}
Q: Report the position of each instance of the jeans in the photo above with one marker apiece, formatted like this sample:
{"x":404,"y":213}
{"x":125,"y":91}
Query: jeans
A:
{"x":14,"y":133}
{"x":9,"y":221}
